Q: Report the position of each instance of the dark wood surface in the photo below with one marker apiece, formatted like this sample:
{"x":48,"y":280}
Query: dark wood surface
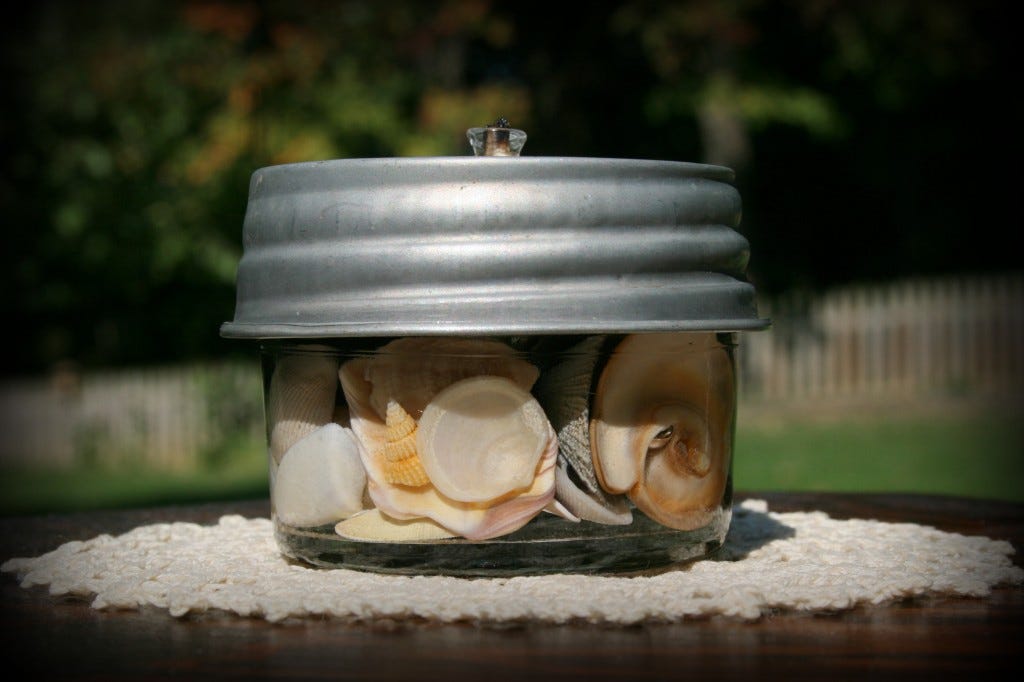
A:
{"x":940,"y":638}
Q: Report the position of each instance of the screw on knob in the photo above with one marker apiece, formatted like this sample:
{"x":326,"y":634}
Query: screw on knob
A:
{"x":497,"y":139}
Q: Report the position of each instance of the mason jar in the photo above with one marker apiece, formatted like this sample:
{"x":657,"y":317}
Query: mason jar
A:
{"x":496,"y":365}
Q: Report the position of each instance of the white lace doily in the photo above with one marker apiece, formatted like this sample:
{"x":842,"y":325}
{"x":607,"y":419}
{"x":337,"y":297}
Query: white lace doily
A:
{"x":788,"y":561}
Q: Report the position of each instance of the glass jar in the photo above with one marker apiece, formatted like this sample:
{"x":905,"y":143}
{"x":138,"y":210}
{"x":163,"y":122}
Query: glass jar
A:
{"x":496,"y":365}
{"x":478,"y":456}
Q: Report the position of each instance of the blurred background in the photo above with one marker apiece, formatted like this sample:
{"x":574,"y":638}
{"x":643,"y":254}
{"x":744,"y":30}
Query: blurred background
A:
{"x":876,"y":147}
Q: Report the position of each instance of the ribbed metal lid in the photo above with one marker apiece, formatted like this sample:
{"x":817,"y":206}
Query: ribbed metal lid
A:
{"x":496,"y":245}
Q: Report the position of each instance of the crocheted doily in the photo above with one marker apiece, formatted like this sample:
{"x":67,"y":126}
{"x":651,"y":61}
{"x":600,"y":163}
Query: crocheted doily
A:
{"x":771,"y":561}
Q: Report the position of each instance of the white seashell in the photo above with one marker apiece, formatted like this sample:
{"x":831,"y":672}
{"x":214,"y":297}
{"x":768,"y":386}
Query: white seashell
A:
{"x":303,"y":389}
{"x":320,"y":479}
{"x":373,"y":526}
{"x":481,"y":439}
{"x":564,"y":392}
{"x":662,"y":424}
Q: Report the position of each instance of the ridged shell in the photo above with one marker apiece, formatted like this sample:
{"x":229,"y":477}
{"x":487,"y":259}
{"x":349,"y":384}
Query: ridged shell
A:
{"x":372,"y":526}
{"x":564,"y":392}
{"x":662,"y":425}
{"x":301,"y":398}
{"x":320,"y":479}
{"x":398,"y":458}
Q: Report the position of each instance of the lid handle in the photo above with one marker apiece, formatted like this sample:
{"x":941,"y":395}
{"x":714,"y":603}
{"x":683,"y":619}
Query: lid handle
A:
{"x":497,"y":139}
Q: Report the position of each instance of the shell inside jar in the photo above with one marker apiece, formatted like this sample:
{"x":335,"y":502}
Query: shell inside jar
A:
{"x":435,"y":439}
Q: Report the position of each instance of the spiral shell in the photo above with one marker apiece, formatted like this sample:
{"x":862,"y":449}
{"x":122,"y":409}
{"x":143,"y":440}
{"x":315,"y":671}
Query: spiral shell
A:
{"x":662,"y":424}
{"x":400,"y":463}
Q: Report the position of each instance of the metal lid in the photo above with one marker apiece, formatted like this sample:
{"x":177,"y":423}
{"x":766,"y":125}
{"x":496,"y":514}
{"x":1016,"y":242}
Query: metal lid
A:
{"x":500,"y":245}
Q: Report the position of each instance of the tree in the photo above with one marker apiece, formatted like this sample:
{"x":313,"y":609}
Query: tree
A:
{"x":870,"y":140}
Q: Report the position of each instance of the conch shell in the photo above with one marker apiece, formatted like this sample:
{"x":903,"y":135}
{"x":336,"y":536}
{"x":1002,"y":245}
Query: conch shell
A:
{"x":662,"y":425}
{"x":483,"y":441}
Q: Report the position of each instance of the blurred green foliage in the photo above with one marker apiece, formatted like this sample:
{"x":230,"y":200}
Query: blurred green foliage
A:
{"x":870,"y":139}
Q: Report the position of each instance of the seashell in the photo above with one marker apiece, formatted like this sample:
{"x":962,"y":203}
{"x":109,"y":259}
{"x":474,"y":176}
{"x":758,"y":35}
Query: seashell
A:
{"x":373,"y":526}
{"x":564,"y":392}
{"x":320,"y":479}
{"x":398,"y":458}
{"x":303,"y":389}
{"x":662,"y":424}
{"x":481,"y":439}
{"x":558,"y":509}
{"x":413,"y":370}
{"x":484,"y":420}
{"x":597,"y":506}
{"x":473,"y":520}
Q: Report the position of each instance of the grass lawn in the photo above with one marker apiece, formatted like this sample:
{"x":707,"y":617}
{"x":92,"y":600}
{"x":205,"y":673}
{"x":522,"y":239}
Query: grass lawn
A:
{"x":974,"y":456}
{"x":242,"y":475}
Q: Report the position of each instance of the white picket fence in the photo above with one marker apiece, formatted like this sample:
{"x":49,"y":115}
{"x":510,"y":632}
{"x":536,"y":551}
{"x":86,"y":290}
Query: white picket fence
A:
{"x":916,"y":339}
{"x":164,"y":418}
{"x":922,"y":339}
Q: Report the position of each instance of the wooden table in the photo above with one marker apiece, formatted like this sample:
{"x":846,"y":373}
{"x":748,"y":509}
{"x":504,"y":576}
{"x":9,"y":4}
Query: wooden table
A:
{"x":50,"y":637}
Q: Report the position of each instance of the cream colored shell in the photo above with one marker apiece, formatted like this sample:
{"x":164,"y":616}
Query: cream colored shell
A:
{"x":662,"y":425}
{"x":320,"y":479}
{"x":481,"y":439}
{"x":373,"y":526}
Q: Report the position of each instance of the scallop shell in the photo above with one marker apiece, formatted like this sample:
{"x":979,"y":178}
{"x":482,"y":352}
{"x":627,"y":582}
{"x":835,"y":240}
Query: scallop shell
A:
{"x":373,"y":526}
{"x":564,"y":392}
{"x":320,"y":479}
{"x":662,"y":425}
{"x":301,"y":398}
